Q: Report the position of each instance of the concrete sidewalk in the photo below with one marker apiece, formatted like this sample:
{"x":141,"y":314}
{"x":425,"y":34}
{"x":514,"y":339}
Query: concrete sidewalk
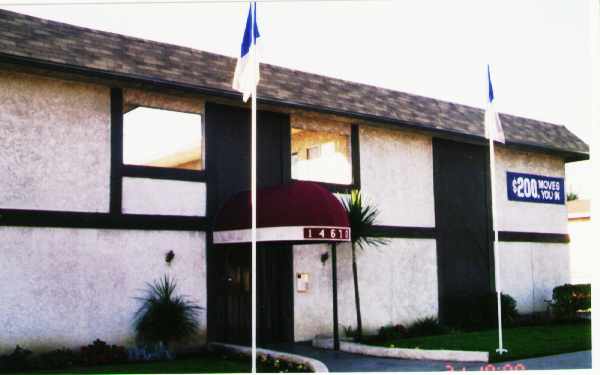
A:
{"x":347,"y":362}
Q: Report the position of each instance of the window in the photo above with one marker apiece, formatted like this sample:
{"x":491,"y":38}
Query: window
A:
{"x":162,"y":138}
{"x":322,"y":156}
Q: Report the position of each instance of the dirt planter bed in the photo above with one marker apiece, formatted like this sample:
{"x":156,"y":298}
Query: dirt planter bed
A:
{"x":313,"y":364}
{"x":404,"y":353}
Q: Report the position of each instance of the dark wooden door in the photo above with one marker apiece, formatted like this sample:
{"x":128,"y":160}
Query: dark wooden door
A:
{"x":463,"y":222}
{"x":275,"y":323}
{"x":236,"y":298}
{"x":228,"y":172}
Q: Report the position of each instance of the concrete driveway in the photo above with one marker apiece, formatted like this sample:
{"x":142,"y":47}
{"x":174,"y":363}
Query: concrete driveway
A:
{"x":348,"y":362}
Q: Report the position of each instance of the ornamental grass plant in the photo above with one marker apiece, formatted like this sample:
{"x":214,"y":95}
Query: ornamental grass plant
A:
{"x":165,"y":317}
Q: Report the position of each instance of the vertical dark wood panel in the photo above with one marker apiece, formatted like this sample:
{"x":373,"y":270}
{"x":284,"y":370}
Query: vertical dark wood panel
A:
{"x":463,"y":224}
{"x":116,"y":151}
{"x":227,"y":150}
{"x":355,"y":142}
{"x":275,"y":322}
{"x":228,"y":172}
{"x":490,"y":220}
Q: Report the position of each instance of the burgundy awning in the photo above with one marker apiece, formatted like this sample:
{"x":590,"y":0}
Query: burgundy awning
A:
{"x":296,"y":212}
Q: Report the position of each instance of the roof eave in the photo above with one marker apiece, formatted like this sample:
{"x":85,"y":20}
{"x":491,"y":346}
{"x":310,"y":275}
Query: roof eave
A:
{"x":568,"y":155}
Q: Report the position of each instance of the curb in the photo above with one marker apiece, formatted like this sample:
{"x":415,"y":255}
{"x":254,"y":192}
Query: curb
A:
{"x":404,"y":353}
{"x":313,"y":364}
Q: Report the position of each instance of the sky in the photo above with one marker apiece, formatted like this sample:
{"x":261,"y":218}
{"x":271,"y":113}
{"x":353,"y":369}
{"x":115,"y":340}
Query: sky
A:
{"x":540,"y":51}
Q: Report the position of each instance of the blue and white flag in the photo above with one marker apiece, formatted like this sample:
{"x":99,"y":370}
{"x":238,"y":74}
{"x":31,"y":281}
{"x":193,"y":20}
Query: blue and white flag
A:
{"x":247,"y":73}
{"x":493,"y":127}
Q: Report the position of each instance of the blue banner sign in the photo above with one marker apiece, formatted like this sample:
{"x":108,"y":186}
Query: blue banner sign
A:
{"x":533,"y":188}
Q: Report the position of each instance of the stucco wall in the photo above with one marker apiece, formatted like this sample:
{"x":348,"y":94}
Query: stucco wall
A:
{"x":163,"y":197}
{"x":397,"y":283}
{"x":397,"y":176}
{"x":525,"y":216}
{"x":530,"y":271}
{"x":54,"y":144}
{"x":71,"y":286}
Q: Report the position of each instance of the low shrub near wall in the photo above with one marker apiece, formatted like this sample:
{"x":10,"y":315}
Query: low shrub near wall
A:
{"x":392,"y":332}
{"x":568,"y":299}
{"x":429,"y":326}
{"x":18,"y":360}
{"x":481,"y":312}
{"x":98,"y":353}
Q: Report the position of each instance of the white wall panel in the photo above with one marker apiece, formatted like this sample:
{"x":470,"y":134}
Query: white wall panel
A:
{"x":163,"y":197}
{"x":530,"y":271}
{"x":397,"y":175}
{"x":527,"y":216}
{"x":398,"y":284}
{"x":67,"y":287}
{"x":54,"y":144}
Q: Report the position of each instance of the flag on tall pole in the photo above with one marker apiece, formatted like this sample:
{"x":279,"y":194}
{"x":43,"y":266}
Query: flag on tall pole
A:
{"x":494,"y":132}
{"x":245,"y":80}
{"x":247,"y":72}
{"x":493,"y":126}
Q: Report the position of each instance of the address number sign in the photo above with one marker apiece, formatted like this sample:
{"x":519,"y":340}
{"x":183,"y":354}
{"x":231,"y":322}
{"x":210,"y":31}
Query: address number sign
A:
{"x":327,"y":233}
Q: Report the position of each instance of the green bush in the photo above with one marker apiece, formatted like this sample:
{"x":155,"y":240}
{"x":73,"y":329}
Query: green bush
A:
{"x":349,"y":332}
{"x":165,"y":317}
{"x":510,"y":313}
{"x":539,"y":318}
{"x":56,"y":359}
{"x":100,"y":353}
{"x":392,"y":332}
{"x":97,"y":353}
{"x":429,"y":326}
{"x":568,"y":299}
{"x":481,"y":312}
{"x":18,"y":360}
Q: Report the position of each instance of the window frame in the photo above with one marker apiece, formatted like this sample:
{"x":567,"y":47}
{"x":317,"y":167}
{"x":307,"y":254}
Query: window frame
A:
{"x":119,"y":170}
{"x":165,"y":173}
{"x":355,"y":165}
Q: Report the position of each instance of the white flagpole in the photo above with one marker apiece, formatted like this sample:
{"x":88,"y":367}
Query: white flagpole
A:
{"x":253,"y":193}
{"x":253,"y":202}
{"x":500,"y":349}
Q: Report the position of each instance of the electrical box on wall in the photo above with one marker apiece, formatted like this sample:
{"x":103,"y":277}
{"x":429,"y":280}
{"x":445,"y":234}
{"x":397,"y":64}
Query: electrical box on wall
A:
{"x":302,"y":282}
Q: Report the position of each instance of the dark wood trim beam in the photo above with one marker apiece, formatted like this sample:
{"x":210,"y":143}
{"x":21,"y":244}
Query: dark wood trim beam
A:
{"x":389,"y":231}
{"x":116,"y":150}
{"x":163,"y":173}
{"x":68,"y":219}
{"x":505,"y":236}
{"x":334,"y":188}
{"x":355,"y":154}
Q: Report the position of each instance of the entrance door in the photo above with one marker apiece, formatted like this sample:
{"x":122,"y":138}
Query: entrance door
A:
{"x":275,"y":305}
{"x":235,"y":299}
{"x":463,"y":224}
{"x":228,"y":172}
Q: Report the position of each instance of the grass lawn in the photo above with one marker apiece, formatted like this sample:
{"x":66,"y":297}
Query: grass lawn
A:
{"x":522,"y":342}
{"x":202,"y":364}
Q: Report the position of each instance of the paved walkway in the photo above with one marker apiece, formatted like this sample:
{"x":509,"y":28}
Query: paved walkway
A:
{"x":348,"y":362}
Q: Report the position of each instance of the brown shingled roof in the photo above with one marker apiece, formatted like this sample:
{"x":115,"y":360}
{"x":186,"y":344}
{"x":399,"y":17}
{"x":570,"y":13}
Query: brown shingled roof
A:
{"x":43,"y":41}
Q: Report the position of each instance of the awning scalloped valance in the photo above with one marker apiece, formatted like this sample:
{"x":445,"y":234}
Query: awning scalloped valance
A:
{"x":297,"y":212}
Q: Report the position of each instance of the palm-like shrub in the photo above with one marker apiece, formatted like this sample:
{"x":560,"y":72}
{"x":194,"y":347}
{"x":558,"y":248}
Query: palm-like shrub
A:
{"x":165,"y":317}
{"x":362,"y":219}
